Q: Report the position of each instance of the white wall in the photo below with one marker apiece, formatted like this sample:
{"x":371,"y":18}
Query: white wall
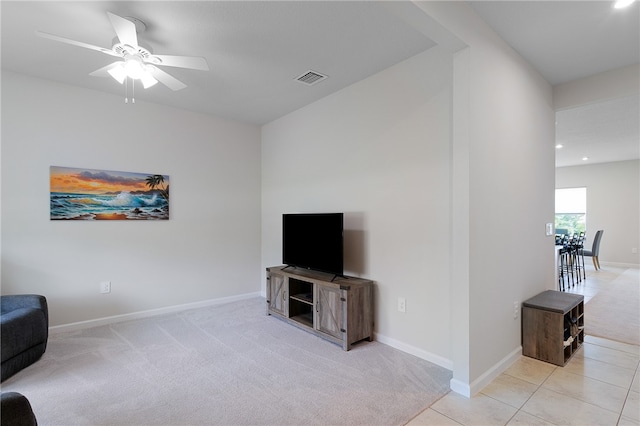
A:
{"x":503,"y":170}
{"x":210,"y":247}
{"x":617,"y":83}
{"x":613,"y":189}
{"x":443,"y":165}
{"x":613,"y":204}
{"x":379,"y":152}
{"x":448,"y":189}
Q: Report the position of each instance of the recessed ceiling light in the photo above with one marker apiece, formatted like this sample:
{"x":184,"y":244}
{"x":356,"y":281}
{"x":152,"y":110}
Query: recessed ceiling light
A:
{"x":619,"y":4}
{"x":559,"y":146}
{"x":585,"y":158}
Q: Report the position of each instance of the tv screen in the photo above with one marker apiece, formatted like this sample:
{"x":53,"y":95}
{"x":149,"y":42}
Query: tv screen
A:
{"x":313,"y":241}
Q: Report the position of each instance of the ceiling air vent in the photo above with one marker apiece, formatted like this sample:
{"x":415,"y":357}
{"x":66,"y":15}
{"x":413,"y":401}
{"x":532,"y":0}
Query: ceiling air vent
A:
{"x":311,"y":77}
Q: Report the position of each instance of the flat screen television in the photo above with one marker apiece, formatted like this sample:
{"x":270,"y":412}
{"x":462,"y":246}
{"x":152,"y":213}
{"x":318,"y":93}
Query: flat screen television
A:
{"x":313,"y":241}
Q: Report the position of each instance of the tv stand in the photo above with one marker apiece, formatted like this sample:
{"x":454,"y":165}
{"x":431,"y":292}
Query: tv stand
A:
{"x":338,"y":309}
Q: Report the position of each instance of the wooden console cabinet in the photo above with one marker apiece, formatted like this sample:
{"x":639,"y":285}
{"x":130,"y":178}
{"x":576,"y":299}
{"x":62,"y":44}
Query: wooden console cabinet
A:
{"x":553,"y":326}
{"x":338,"y":310}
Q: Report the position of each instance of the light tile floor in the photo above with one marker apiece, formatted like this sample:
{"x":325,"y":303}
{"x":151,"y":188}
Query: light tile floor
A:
{"x":600,"y":385}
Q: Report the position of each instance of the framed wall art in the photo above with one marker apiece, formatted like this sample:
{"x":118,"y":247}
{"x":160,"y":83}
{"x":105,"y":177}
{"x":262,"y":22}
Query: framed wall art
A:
{"x":86,"y":194}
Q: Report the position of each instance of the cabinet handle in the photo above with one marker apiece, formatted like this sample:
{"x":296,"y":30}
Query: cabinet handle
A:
{"x":284,"y":295}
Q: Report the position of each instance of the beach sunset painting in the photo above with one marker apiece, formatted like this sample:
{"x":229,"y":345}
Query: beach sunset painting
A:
{"x":85,"y":194}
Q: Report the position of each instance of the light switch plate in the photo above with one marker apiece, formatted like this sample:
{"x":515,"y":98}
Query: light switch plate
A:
{"x":549,"y":229}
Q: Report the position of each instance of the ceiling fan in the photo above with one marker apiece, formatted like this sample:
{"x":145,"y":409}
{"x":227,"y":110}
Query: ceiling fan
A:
{"x":136,"y":61}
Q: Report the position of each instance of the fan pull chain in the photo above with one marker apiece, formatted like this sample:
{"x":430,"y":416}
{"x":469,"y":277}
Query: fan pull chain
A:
{"x":126,"y":90}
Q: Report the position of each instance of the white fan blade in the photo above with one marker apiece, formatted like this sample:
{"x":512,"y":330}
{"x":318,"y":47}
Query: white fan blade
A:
{"x":191,"y":62}
{"x":77,"y":43}
{"x":104,"y":71}
{"x":166,"y":79}
{"x":125,"y":30}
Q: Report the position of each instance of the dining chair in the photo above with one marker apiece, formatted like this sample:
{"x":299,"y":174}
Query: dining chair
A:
{"x":565,"y":269}
{"x":595,"y":249}
{"x":578,"y":255}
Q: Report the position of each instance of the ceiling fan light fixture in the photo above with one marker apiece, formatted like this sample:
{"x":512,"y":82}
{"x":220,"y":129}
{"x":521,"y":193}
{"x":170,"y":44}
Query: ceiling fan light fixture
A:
{"x":135,"y":61}
{"x":118,"y":73}
{"x":147,"y":80}
{"x":133,"y":67}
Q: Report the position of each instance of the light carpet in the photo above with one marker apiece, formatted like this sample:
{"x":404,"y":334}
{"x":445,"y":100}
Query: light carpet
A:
{"x":614,"y":311}
{"x":223,"y":365}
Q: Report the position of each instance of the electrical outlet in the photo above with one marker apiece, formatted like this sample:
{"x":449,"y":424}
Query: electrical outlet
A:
{"x":402,"y":304}
{"x":516,"y":309}
{"x":105,"y":287}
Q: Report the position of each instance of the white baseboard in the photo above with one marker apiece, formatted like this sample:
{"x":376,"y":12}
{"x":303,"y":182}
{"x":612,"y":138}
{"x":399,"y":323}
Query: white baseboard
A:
{"x":468,"y":390}
{"x":460,"y":387}
{"x":81,"y":325}
{"x":621,"y":265}
{"x":422,"y":354}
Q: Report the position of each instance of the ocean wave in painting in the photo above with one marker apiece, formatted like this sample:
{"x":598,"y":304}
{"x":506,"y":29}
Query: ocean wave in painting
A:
{"x":124,"y":205}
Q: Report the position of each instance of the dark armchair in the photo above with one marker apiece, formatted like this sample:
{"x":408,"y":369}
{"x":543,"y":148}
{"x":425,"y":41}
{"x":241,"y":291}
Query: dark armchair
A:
{"x":15,"y":410}
{"x":24,"y":322}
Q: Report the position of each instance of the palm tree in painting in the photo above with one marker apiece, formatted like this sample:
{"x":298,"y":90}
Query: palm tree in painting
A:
{"x":157,"y":181}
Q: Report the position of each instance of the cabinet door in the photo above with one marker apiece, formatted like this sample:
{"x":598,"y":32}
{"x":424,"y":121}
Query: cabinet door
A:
{"x":277,"y":293}
{"x":331,"y":311}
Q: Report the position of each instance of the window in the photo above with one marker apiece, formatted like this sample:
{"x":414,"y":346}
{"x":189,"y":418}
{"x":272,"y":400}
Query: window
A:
{"x":571,"y":210}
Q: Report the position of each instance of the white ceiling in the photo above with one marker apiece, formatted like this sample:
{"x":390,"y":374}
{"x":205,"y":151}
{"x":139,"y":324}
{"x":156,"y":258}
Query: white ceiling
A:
{"x":256,"y":50}
{"x":603,"y":132}
{"x":569,"y":40}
